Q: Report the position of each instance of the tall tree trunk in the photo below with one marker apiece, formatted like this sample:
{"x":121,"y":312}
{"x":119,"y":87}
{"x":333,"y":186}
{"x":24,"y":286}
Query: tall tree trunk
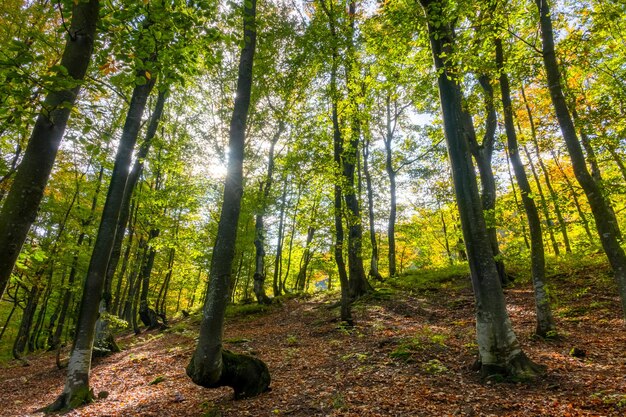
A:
{"x":278,"y":260}
{"x":391,"y":225}
{"x":146,"y":314}
{"x":373,"y":272}
{"x":211,"y":365}
{"x":483,"y":153}
{"x":499,"y":350}
{"x":259,"y":228}
{"x":131,"y":183}
{"x":544,"y":203}
{"x":77,"y":391}
{"x":357,"y":280}
{"x":545,"y":321}
{"x":21,"y":204}
{"x":517,"y":205}
{"x":346,"y":314}
{"x":27,"y":321}
{"x":546,"y":176}
{"x":574,"y":194}
{"x":607,"y":229}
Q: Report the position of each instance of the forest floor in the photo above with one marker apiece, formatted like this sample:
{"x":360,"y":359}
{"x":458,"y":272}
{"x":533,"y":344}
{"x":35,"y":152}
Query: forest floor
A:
{"x":410,"y":354}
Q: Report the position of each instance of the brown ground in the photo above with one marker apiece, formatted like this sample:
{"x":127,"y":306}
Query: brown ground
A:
{"x":406,"y":357}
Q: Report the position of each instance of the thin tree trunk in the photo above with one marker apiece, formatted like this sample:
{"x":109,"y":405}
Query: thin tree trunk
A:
{"x":607,"y":229}
{"x":27,"y":320}
{"x":544,"y":203}
{"x":278,"y":262}
{"x":574,"y":194}
{"x":358,"y":284}
{"x":346,"y":314}
{"x":546,"y":177}
{"x":545,"y":321}
{"x":373,"y":272}
{"x":517,"y":204}
{"x":483,"y":153}
{"x":212,"y":366}
{"x":20,"y":207}
{"x":259,"y":229}
{"x":77,"y":389}
{"x":131,"y":183}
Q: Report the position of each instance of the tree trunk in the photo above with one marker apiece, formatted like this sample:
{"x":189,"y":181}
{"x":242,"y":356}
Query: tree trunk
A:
{"x":391,"y":225}
{"x":499,"y":350}
{"x":544,"y":203}
{"x":370,"y":211}
{"x":546,"y":177}
{"x":483,"y":153}
{"x":574,"y":194}
{"x":259,"y":229}
{"x":27,"y":321}
{"x":211,"y":365}
{"x":22,"y":202}
{"x":278,"y":260}
{"x":607,"y":229}
{"x":147,"y":315}
{"x":346,"y":314}
{"x":131,"y":183}
{"x":517,"y":205}
{"x":77,"y":391}
{"x":545,"y":321}
{"x":358,"y":284}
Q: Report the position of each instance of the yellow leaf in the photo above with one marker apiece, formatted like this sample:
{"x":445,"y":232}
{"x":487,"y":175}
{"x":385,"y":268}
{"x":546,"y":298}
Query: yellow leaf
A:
{"x":148,"y":76}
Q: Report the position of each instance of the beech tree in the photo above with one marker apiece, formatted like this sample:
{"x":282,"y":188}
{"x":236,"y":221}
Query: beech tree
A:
{"x":20,"y":207}
{"x":605,"y":222}
{"x":212,"y":366}
{"x":499,"y":349}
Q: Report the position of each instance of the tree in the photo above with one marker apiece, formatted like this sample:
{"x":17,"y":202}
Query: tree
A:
{"x":545,"y":321}
{"x":605,"y":224}
{"x":211,"y":366}
{"x":20,"y":207}
{"x":499,"y":349}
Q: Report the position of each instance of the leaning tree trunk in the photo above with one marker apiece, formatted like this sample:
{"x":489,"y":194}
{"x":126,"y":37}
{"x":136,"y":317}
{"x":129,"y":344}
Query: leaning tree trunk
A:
{"x":21,"y":204}
{"x":545,"y":321}
{"x":211,"y":365}
{"x":607,"y":228}
{"x":131,"y":183}
{"x":77,"y":391}
{"x":499,"y":350}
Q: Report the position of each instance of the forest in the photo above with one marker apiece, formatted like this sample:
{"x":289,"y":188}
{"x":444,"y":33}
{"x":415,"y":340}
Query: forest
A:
{"x":312,"y":207}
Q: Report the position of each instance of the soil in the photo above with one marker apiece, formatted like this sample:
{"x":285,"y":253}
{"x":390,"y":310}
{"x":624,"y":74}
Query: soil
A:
{"x":408,"y":355}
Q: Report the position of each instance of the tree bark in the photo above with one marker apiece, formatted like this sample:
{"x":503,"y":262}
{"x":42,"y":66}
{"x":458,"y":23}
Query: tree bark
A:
{"x":483,"y":153}
{"x":357,"y":280}
{"x":546,"y":177}
{"x":211,"y":365}
{"x":545,"y":321}
{"x":346,"y":314}
{"x":499,"y":350}
{"x":259,"y":228}
{"x":77,"y":391}
{"x":373,"y":272}
{"x":607,"y":228}
{"x":21,"y":204}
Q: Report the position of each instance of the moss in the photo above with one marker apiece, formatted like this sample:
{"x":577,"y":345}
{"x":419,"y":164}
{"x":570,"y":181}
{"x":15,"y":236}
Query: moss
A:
{"x":81,"y":396}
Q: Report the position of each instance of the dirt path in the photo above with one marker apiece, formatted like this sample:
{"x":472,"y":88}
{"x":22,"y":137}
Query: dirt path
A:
{"x":406,"y":357}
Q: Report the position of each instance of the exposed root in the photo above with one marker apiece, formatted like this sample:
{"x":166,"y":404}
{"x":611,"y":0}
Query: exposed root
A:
{"x":247,"y":375}
{"x":518,"y":368}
